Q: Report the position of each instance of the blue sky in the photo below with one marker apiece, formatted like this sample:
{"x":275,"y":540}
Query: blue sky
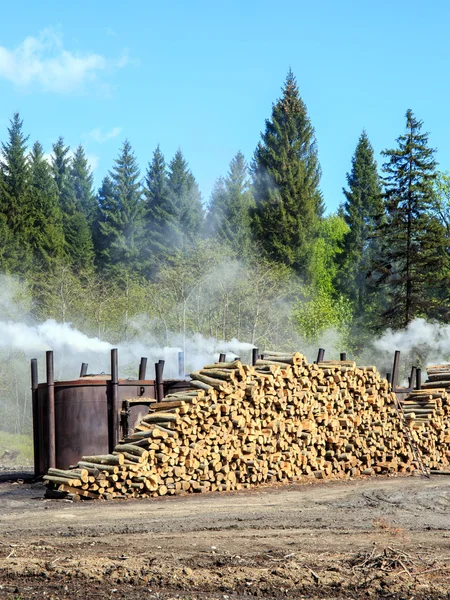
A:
{"x":202,"y":76}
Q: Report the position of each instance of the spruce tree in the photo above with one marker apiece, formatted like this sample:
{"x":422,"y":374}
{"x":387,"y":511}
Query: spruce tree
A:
{"x":229,"y":210}
{"x":82,"y":184}
{"x":363,"y":210}
{"x":162,"y":214}
{"x":47,"y":238}
{"x":413,"y":262}
{"x":104,"y":206}
{"x":77,"y":233}
{"x":286,"y":175}
{"x":185,"y":195}
{"x":14,"y":168}
{"x":121,"y":214}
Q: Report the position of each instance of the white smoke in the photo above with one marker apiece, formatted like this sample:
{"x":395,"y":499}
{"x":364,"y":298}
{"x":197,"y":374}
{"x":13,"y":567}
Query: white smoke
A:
{"x":48,"y":335}
{"x":421,"y":343}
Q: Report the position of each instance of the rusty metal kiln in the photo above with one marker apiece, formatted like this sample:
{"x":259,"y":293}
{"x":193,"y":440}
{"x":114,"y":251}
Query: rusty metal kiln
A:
{"x":89,"y":415}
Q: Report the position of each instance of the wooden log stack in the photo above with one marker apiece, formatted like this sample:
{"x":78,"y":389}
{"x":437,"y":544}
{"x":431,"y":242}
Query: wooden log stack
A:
{"x":428,"y":415}
{"x":241,"y":426}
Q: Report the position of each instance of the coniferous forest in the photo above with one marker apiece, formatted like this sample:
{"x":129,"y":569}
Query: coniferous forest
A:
{"x":260,"y":260}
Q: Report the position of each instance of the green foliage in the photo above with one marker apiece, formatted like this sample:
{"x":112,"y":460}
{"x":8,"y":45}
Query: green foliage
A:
{"x":47,"y":239}
{"x":21,"y":443}
{"x":14,"y":168}
{"x":230,"y":205}
{"x":286,"y":175}
{"x":162,"y":214}
{"x":319,"y":313}
{"x":326,"y":252}
{"x":413,"y":262}
{"x":363,"y":211}
{"x":185,"y":196}
{"x":77,"y":232}
{"x":121,"y":214}
{"x":82,"y":183}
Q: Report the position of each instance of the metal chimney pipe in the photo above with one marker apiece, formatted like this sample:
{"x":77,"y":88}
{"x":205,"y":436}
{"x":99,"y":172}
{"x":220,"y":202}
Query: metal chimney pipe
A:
{"x":83,"y":370}
{"x":412,"y":377}
{"x":51,"y":456}
{"x":181,"y":372}
{"x":114,"y":401}
{"x":34,"y":406}
{"x":159,"y":369}
{"x":418,"y":378}
{"x":254,"y":356}
{"x":142,"y":368}
{"x":320,"y":355}
{"x":222,"y":357}
{"x":343,"y":356}
{"x":395,"y":370}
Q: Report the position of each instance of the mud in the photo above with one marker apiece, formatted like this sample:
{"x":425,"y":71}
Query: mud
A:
{"x":369,"y":538}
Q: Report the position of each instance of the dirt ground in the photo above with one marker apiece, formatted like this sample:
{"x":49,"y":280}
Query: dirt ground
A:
{"x":368,"y":538}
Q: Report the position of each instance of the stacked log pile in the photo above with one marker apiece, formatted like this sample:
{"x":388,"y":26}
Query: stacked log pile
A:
{"x":240,"y":426}
{"x":428,"y":415}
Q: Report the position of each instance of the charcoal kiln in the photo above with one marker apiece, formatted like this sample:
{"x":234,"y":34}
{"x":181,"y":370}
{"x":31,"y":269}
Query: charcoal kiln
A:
{"x":90,"y":414}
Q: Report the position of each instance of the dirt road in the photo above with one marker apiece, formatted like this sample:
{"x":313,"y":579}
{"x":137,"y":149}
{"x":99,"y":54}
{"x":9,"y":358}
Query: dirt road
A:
{"x":371,"y":538}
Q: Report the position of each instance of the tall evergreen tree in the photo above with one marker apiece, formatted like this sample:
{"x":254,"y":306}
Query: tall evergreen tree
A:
{"x":47,"y":238}
{"x":413,"y":260}
{"x":162,"y":213}
{"x":104,"y":206}
{"x":14,"y":168}
{"x":185,"y":195}
{"x":229,"y":210}
{"x":286,"y":175}
{"x":77,"y":233}
{"x":82,"y":184}
{"x":363,"y":210}
{"x":121,"y":213}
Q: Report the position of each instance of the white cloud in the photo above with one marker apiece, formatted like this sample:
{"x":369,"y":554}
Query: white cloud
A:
{"x":98,"y":136}
{"x":43,"y":61}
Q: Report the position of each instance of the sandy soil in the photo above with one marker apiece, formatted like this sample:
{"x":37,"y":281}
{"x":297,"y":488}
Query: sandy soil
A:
{"x":369,"y":538}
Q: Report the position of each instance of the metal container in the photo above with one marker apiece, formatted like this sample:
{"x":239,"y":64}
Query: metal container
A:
{"x":90,"y":414}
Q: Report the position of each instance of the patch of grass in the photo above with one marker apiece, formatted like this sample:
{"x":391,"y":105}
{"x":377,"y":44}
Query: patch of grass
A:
{"x":21,"y":447}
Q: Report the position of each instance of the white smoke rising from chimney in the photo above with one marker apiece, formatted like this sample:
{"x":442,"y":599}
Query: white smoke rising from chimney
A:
{"x":48,"y":335}
{"x":421,"y":341}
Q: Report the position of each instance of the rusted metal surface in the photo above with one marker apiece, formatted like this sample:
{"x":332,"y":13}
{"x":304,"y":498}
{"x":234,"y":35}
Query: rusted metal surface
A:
{"x":113,"y":405}
{"x":159,"y":370}
{"x":34,"y":407}
{"x":418,"y":378}
{"x":142,"y":368}
{"x":51,"y":459}
{"x":254,"y":356}
{"x":81,"y":418}
{"x":320,"y":355}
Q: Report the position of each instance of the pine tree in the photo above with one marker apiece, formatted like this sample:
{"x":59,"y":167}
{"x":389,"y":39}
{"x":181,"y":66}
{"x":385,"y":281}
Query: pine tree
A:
{"x":413,"y":261}
{"x":162,"y":214}
{"x":77,"y":233}
{"x":286,"y":175}
{"x":104,"y":206}
{"x":14,"y":168}
{"x":82,"y":184}
{"x":121,"y":214}
{"x":362,"y":212}
{"x":185,"y":195}
{"x":47,"y":238}
{"x":229,"y":210}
